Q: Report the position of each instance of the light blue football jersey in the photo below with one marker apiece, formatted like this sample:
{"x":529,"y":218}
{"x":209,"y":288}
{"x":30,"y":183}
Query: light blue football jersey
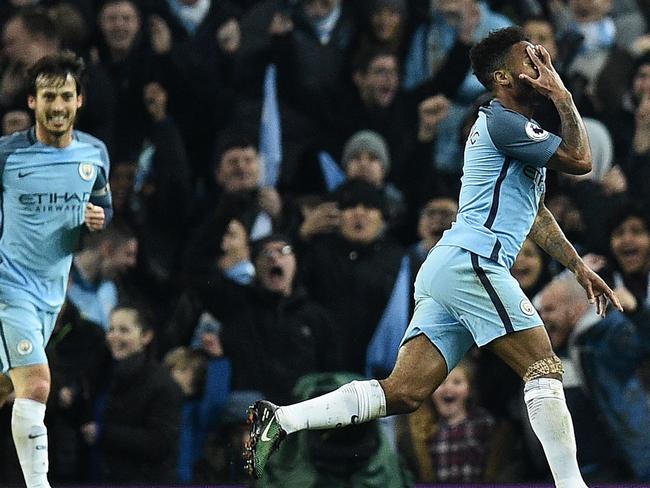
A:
{"x":503,"y":179}
{"x":43,"y":197}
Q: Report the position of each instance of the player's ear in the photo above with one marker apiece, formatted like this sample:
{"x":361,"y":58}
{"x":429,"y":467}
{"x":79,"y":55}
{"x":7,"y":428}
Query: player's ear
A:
{"x":31,"y":101}
{"x":501,"y":77}
{"x":80,"y":101}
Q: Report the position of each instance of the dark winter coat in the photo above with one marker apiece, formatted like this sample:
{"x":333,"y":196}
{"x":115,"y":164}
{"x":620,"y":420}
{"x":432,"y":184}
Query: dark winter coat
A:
{"x":354,"y":282}
{"x":140,"y":423}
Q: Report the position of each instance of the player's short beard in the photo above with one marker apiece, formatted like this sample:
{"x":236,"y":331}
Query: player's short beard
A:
{"x":527,"y":94}
{"x":61,"y":132}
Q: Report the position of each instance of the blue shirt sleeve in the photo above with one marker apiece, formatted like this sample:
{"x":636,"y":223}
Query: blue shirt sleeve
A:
{"x":521,"y":138}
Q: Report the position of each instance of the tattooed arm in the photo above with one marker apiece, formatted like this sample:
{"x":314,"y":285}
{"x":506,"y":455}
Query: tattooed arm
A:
{"x":573,"y":156}
{"x":548,"y":235}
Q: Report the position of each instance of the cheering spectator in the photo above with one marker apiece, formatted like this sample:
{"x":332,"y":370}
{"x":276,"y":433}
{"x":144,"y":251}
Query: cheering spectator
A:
{"x":352,"y":271}
{"x":236,"y":193}
{"x":601,"y":357}
{"x":138,"y":427}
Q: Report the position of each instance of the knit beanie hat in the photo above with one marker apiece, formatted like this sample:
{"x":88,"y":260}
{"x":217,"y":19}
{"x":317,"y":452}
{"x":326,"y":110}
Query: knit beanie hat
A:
{"x":359,"y":192}
{"x":369,"y":141}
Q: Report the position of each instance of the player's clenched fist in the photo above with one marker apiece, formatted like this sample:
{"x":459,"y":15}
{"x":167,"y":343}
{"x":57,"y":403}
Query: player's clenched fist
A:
{"x":94,"y":217}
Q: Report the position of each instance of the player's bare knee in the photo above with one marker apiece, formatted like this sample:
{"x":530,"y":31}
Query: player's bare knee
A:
{"x":402,"y":398}
{"x":409,"y":403}
{"x":38,"y":390}
{"x":549,"y":367}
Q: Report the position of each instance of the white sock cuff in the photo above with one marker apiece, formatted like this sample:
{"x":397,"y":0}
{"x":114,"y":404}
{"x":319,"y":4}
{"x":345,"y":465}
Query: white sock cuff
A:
{"x":372,"y":400}
{"x":31,"y":409}
{"x":543,"y":388}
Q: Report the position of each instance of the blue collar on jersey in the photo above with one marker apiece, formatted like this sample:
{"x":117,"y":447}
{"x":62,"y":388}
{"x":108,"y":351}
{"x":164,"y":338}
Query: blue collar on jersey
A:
{"x":31,"y":135}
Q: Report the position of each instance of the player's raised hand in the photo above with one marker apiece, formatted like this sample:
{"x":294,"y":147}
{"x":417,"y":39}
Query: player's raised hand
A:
{"x":597,"y":290}
{"x":548,"y":81}
{"x":94,"y":217}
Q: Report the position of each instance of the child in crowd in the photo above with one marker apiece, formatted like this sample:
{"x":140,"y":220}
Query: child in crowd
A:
{"x":460,"y":447}
{"x":187,"y":367}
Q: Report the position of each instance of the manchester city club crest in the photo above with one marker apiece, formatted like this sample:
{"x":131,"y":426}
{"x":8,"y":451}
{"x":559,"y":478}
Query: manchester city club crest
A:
{"x":527,"y":307}
{"x":86,"y":171}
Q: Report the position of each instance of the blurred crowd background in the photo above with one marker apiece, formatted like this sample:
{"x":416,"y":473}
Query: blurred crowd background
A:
{"x":280,"y":169}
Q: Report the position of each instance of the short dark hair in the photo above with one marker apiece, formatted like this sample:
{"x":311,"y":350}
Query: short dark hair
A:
{"x":642,"y":60}
{"x":491,"y":53}
{"x":144,"y":316}
{"x":58,"y":65}
{"x":628,"y":209}
{"x":230,"y":139}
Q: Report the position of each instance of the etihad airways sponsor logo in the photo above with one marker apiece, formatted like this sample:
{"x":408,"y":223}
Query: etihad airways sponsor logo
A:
{"x":52,"y":198}
{"x":54,"y":202}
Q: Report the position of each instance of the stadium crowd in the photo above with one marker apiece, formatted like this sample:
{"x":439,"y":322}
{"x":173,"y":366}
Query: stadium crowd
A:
{"x":279,"y":170}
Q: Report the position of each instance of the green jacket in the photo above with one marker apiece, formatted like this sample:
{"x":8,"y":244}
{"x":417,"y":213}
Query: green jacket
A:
{"x":357,"y":456}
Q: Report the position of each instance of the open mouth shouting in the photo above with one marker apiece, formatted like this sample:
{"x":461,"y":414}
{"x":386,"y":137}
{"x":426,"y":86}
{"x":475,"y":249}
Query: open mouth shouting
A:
{"x":630,"y":243}
{"x":276,"y":274}
{"x":631,"y":258}
{"x":276,"y":267}
{"x":450,"y":399}
{"x":275,"y":279}
{"x":448,"y":405}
